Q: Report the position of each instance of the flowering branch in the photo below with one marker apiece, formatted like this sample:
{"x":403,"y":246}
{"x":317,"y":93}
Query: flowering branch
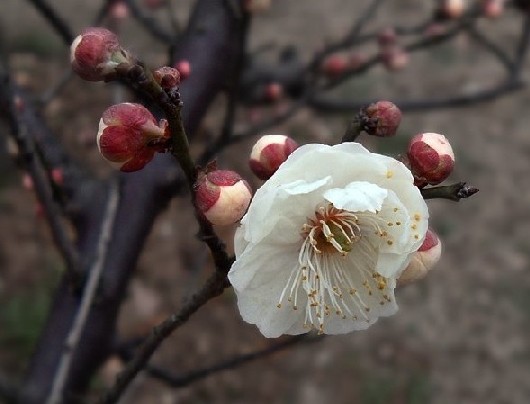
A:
{"x":453,"y":192}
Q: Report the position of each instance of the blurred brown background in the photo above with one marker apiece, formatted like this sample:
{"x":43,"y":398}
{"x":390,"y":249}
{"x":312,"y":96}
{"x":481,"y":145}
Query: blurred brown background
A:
{"x":461,"y":335}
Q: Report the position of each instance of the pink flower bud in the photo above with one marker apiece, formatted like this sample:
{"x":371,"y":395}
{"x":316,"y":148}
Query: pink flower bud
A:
{"x":222,"y":196}
{"x":335,"y":65}
{"x":452,"y":8}
{"x":269,"y":152}
{"x":129,"y":135}
{"x":431,"y":158}
{"x":394,"y":57}
{"x":119,"y":10}
{"x":273,"y":92}
{"x":382,"y":118}
{"x":423,"y":260}
{"x":167,"y":77}
{"x":493,"y":8}
{"x":96,"y":53}
{"x":184,"y":68}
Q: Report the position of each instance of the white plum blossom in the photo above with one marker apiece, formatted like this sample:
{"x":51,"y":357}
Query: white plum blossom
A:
{"x":325,"y":239}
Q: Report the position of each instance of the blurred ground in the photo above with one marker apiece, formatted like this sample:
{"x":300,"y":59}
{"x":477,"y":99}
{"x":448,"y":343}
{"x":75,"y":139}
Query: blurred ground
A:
{"x":461,"y":336}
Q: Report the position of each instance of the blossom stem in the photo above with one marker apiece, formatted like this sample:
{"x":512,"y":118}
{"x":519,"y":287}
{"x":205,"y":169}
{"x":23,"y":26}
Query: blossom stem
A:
{"x":453,"y":192}
{"x":353,"y":130}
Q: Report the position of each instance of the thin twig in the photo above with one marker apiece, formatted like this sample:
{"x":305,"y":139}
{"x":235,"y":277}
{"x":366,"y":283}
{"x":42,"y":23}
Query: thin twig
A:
{"x":53,"y":18}
{"x":490,"y":46}
{"x":455,"y":101}
{"x":453,"y":192}
{"x":522,"y":47}
{"x":213,"y":287}
{"x":87,"y":300}
{"x":149,"y":24}
{"x":28,"y":153}
{"x":178,"y":381}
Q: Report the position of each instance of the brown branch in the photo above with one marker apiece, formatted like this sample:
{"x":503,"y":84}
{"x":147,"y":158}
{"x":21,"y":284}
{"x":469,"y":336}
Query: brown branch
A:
{"x":453,"y":192}
{"x":179,"y":381}
{"x":60,"y":26}
{"x":87,"y":300}
{"x":29,"y":156}
{"x":213,"y":288}
{"x":149,"y":23}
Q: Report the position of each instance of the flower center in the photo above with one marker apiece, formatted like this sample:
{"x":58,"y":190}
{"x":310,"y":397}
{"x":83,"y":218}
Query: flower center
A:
{"x":333,"y":281}
{"x":332,"y":230}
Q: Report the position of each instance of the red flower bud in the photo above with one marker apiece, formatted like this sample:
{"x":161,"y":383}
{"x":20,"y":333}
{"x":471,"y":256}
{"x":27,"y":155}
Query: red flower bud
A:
{"x":381,"y":118}
{"x":335,"y":65}
{"x":269,"y":153}
{"x":423,"y":260}
{"x":222,"y":196}
{"x":431,"y":158}
{"x":167,"y":77}
{"x":273,"y":92}
{"x":493,"y":8}
{"x":96,"y":53}
{"x":129,"y":135}
{"x":184,"y":68}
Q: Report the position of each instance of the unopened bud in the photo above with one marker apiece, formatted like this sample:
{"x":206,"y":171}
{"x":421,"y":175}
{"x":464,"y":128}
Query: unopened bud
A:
{"x":184,"y":68}
{"x":129,"y":135}
{"x":222,"y":196}
{"x":493,"y":8}
{"x":381,"y":118}
{"x":452,"y":8}
{"x":394,"y":57}
{"x":96,"y":53}
{"x":119,"y":10}
{"x":431,"y":158}
{"x":335,"y":65}
{"x":422,"y":260}
{"x":269,"y":152}
{"x":273,"y":92}
{"x":167,"y":77}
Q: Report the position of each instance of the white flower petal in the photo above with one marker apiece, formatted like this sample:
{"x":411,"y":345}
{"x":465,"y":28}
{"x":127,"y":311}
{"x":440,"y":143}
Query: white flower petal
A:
{"x":358,"y":196}
{"x":254,"y":277}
